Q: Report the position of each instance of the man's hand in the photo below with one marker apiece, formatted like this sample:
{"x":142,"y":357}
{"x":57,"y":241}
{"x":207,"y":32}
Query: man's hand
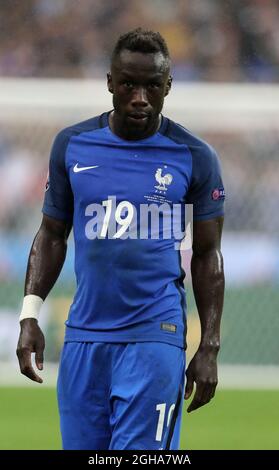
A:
{"x":203,"y":371}
{"x":31,"y":340}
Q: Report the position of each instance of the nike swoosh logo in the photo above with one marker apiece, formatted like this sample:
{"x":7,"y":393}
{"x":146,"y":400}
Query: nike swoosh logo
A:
{"x":77,"y":169}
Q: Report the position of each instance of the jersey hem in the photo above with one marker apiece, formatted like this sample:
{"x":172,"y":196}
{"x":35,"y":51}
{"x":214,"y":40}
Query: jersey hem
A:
{"x":76,"y":335}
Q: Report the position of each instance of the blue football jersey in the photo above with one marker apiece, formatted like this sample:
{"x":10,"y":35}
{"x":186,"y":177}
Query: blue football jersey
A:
{"x":129,"y":277}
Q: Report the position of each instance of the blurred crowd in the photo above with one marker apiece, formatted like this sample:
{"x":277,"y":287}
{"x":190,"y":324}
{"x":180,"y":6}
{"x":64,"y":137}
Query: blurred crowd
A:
{"x":216,"y":40}
{"x":232,"y":40}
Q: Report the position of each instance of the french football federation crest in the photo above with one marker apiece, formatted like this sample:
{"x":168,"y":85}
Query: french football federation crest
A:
{"x":163,"y":180}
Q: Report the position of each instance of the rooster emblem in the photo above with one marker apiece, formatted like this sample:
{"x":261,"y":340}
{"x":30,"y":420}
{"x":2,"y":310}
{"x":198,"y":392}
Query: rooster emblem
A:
{"x":162,"y":180}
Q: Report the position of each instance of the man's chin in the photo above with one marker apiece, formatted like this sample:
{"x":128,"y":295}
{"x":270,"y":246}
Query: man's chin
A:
{"x":138,"y":127}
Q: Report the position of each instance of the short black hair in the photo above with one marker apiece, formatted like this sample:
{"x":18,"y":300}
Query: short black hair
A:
{"x":141,"y":40}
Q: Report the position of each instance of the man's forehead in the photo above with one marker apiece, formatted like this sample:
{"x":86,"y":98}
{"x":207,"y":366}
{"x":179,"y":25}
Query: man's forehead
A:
{"x":129,"y":61}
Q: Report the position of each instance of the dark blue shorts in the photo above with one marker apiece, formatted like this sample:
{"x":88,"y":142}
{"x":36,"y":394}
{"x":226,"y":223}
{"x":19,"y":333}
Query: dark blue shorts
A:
{"x":121,"y":396}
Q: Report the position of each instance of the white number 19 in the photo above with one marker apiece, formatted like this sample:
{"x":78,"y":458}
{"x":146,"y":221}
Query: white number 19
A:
{"x":161,"y":407}
{"x":123,"y":222}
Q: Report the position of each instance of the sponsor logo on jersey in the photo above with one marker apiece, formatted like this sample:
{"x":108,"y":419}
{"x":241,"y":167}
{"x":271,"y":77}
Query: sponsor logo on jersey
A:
{"x":77,"y":168}
{"x":218,"y":193}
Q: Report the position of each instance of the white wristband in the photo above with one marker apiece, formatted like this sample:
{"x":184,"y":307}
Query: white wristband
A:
{"x":31,"y":307}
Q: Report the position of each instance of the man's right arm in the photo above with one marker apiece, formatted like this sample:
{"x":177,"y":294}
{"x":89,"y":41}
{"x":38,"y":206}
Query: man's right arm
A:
{"x":45,"y":262}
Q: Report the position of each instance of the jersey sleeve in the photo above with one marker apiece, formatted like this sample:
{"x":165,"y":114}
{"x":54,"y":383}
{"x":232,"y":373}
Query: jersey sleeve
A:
{"x":206,"y":191}
{"x":58,"y":201}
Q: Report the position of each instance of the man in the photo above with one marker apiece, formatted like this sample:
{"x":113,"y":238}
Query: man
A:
{"x":122,"y":369}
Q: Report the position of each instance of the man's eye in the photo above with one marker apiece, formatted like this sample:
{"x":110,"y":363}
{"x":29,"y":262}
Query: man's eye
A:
{"x":153,"y":85}
{"x":128,"y":84}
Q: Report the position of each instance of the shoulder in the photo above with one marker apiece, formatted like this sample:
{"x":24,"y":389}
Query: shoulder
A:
{"x":89,"y":125}
{"x":201,"y":151}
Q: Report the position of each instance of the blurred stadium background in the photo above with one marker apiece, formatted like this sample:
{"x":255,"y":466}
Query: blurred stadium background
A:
{"x":53,"y":60}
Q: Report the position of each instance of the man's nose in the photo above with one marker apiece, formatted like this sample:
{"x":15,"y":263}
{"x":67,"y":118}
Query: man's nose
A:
{"x":139,"y":97}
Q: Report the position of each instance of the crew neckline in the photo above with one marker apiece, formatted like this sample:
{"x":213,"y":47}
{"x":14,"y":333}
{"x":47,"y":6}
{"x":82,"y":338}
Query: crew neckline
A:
{"x":161,"y":130}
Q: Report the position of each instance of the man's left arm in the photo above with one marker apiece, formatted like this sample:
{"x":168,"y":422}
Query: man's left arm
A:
{"x":208,"y":286}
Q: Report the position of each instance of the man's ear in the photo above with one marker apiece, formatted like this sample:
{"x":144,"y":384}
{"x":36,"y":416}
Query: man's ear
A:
{"x":168,"y":87}
{"x":109,"y":82}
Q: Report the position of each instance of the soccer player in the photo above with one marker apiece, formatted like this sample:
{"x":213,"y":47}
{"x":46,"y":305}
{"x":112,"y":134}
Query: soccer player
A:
{"x":122,"y":369}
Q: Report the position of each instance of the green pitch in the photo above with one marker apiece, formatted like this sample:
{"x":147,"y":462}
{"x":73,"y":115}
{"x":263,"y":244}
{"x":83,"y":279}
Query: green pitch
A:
{"x":234,"y":420}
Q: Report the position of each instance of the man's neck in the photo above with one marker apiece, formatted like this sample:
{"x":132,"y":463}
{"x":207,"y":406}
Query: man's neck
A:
{"x":117,"y":129}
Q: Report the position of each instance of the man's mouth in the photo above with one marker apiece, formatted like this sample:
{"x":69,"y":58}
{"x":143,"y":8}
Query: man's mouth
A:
{"x":138,"y":117}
